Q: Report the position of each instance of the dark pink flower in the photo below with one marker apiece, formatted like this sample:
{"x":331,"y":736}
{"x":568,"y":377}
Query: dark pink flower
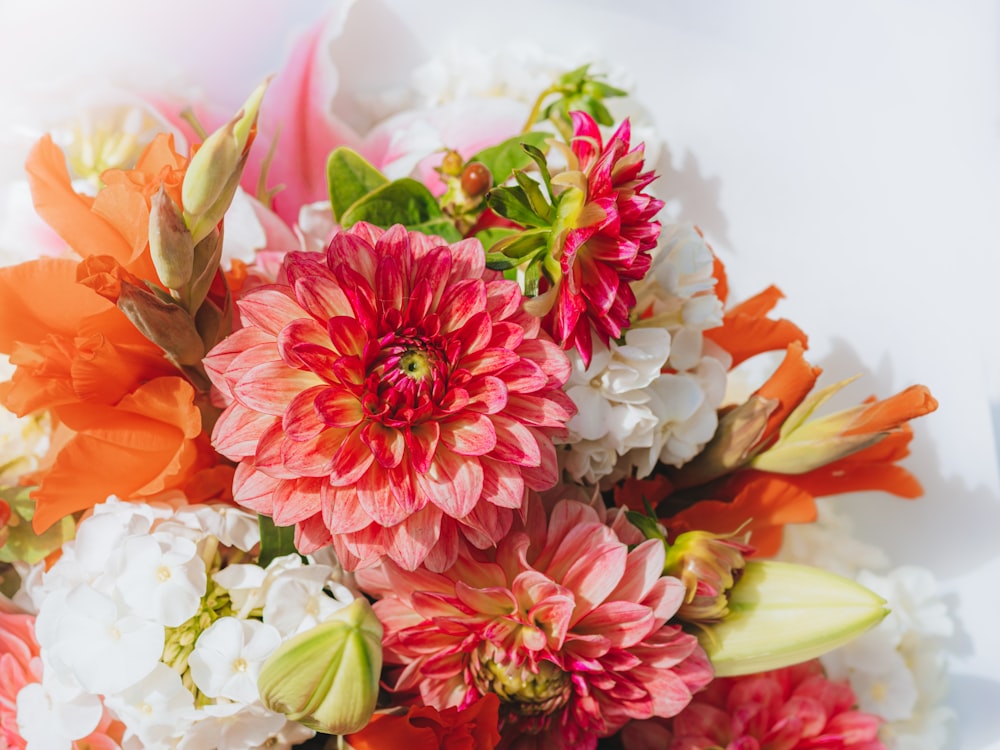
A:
{"x":796,"y":708}
{"x":607,"y":242}
{"x":563,"y":621}
{"x":393,"y":397}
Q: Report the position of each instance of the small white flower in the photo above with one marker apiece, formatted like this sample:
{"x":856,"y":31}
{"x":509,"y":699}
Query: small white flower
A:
{"x":227,"y":658}
{"x":49,"y":722}
{"x":156,"y":708}
{"x":105,"y":649}
{"x":297,"y":601}
{"x":161,"y":577}
{"x":232,"y":726}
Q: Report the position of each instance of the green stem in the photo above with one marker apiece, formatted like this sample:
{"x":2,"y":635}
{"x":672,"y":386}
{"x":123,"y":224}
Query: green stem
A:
{"x":553,"y":89}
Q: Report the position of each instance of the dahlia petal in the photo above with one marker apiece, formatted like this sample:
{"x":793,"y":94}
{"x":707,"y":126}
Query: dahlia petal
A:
{"x":476,"y":332}
{"x":502,"y":484}
{"x":386,"y":443}
{"x":623,"y":623}
{"x":378,"y":500}
{"x":435,"y":268}
{"x":351,"y":461}
{"x":300,"y":331}
{"x":267,"y":457}
{"x":486,"y":525}
{"x":546,"y":474}
{"x":218,"y":361}
{"x":312,"y":534}
{"x":338,"y":408}
{"x":269,"y":308}
{"x":643,"y":568}
{"x":503,"y":298}
{"x":322,"y":296}
{"x":311,"y":457}
{"x":254,"y":489}
{"x":320,"y":360}
{"x":270,"y":387}
{"x":237,"y":431}
{"x":468,"y":259}
{"x":495,"y":600}
{"x":422,"y":442}
{"x":525,"y":377}
{"x":301,"y":420}
{"x":444,"y":553}
{"x":516,"y":444}
{"x":469,"y":434}
{"x":410,"y":542}
{"x":390,"y":286}
{"x":461,"y":301}
{"x":350,"y":249}
{"x":342,"y":513}
{"x":488,"y":393}
{"x":296,"y":501}
{"x":453,"y":483}
{"x":538,"y":411}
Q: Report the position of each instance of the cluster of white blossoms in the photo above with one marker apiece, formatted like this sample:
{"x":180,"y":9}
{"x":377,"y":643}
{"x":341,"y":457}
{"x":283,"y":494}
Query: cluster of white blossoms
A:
{"x":898,"y":669}
{"x":150,"y":618}
{"x":653,"y":397}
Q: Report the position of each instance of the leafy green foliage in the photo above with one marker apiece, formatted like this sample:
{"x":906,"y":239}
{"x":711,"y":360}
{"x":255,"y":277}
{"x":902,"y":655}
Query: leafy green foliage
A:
{"x":349,"y":178}
{"x":23,"y":544}
{"x":275,"y":541}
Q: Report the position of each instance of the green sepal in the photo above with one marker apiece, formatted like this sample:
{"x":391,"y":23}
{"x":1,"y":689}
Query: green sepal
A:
{"x":512,"y":203}
{"x":350,"y":177}
{"x":491,"y":235}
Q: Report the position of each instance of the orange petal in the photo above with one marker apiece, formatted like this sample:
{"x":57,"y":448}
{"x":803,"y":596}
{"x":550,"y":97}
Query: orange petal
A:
{"x":746,"y":331}
{"x":788,"y":385}
{"x":42,"y":297}
{"x":68,"y":213}
{"x":883,"y":416}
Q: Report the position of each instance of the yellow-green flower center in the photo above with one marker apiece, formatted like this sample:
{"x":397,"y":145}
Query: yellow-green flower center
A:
{"x":415,"y":364}
{"x":528,"y":692}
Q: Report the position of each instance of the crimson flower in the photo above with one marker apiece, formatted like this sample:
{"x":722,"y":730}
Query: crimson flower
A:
{"x":607,"y":242}
{"x":392,"y":397}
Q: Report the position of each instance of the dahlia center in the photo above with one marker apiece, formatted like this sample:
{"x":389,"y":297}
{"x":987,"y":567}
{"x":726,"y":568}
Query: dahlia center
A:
{"x":415,"y":364}
{"x":527,"y":692}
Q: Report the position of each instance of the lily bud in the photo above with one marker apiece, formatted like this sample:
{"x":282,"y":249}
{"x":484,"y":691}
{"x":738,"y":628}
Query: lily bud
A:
{"x":170,"y":243}
{"x":214,"y":172}
{"x":327,"y":678}
{"x":782,"y":614}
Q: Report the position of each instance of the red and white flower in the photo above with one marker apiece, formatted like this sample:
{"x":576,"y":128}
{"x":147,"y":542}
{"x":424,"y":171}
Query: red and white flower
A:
{"x":564,"y":622}
{"x":390,"y":395}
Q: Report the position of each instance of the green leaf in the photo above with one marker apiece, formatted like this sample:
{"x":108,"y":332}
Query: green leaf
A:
{"x":509,"y":155}
{"x":523,"y":244}
{"x":538,"y":156}
{"x":512,"y":203}
{"x":275,"y":541}
{"x":404,"y":201}
{"x":443,"y":228}
{"x":349,"y":178}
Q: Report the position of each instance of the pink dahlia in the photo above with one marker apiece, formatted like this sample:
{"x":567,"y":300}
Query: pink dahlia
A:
{"x":563,"y":622}
{"x":392,"y":397}
{"x":607,"y":244}
{"x":796,"y":708}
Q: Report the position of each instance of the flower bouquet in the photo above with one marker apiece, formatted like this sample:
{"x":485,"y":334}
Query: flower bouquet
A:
{"x":433,"y":433}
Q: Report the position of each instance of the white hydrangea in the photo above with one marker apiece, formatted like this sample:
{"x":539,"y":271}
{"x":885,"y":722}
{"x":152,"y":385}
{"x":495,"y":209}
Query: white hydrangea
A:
{"x":653,"y":397}
{"x":136,"y":614}
{"x":897,"y":670}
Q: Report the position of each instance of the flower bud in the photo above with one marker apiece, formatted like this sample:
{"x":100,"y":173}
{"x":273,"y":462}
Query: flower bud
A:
{"x":327,"y":678}
{"x":451,"y":164}
{"x":709,"y":566}
{"x":782,"y":614}
{"x":171,"y":245}
{"x":214,"y":172}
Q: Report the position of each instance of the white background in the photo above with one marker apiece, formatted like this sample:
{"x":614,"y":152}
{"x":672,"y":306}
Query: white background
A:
{"x":848,"y":152}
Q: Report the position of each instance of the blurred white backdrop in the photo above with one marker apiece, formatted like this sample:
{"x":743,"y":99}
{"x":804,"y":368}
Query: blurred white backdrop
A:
{"x":848,"y":152}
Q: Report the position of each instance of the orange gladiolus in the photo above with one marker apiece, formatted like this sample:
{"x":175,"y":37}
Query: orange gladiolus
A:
{"x":127,"y":423}
{"x":426,"y":728}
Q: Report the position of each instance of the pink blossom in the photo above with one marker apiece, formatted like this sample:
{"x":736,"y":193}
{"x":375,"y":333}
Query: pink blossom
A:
{"x":563,"y":621}
{"x":796,"y":708}
{"x":608,"y":244}
{"x":390,"y":395}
